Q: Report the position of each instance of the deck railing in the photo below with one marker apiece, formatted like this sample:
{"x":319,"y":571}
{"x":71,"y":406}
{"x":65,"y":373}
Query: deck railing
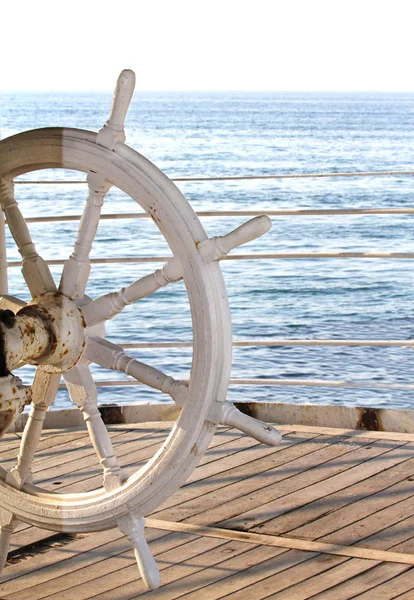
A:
{"x":258,"y":256}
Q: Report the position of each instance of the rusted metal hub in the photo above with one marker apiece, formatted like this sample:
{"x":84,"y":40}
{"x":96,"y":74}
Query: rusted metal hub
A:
{"x":48,"y":331}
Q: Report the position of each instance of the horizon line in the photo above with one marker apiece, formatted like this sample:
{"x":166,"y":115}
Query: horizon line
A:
{"x":213,"y":91}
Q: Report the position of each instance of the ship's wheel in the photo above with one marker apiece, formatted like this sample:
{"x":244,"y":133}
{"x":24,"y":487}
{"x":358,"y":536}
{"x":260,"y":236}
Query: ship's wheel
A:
{"x":60,"y":331}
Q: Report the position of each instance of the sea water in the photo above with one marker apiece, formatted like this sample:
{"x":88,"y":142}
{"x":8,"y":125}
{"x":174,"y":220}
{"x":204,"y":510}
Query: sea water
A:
{"x":227,"y":134}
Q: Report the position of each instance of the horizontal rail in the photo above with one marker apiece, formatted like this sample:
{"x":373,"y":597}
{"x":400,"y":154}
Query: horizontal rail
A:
{"x":241,"y":213}
{"x":278,"y":342}
{"x":278,"y":382}
{"x":255,"y":256}
{"x":322,"y":383}
{"x":246,"y":177}
{"x":312,"y":255}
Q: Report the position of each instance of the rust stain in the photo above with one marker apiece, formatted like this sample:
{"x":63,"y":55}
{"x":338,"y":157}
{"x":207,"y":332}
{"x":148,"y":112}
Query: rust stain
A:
{"x":111,"y":415}
{"x":370,"y":419}
{"x":153,"y":215}
{"x":244,"y":408}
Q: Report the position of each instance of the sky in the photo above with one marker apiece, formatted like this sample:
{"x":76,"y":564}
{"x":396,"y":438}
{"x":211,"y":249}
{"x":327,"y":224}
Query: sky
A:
{"x":306,"y":45}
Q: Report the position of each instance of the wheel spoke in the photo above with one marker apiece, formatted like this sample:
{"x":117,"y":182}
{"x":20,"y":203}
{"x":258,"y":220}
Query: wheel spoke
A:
{"x":83,"y":393}
{"x":213,"y":249}
{"x":77,"y":268}
{"x":227,"y":414}
{"x":109,"y":305}
{"x":217,"y":248}
{"x":35,"y":270}
{"x":113,"y":357}
{"x":44,"y":388}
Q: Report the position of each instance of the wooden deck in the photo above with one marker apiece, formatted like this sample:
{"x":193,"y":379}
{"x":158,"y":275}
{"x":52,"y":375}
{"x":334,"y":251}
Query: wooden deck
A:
{"x":329,"y":515}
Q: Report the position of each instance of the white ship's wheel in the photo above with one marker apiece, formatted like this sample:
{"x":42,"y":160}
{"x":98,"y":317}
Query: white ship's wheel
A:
{"x":59,"y":331}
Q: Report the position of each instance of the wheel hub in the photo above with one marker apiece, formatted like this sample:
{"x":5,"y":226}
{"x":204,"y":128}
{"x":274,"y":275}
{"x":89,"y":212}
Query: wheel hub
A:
{"x":49,"y":331}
